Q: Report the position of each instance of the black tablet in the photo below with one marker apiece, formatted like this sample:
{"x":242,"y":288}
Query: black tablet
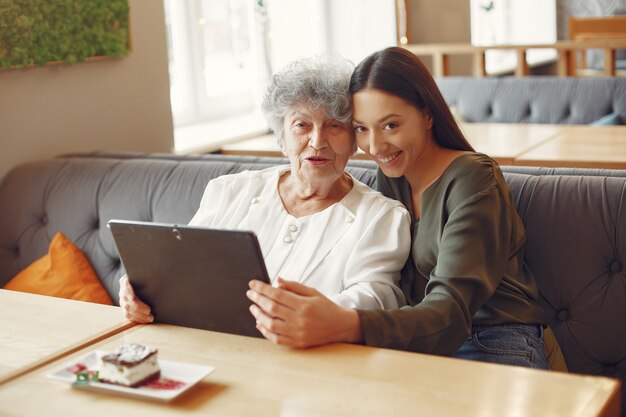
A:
{"x":192,"y":276}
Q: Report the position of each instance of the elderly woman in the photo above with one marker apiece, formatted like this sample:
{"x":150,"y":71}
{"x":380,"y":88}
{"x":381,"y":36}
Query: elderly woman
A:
{"x":316,"y":223}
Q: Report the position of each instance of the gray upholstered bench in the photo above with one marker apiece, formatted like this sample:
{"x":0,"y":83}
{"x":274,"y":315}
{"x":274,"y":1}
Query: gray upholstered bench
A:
{"x":555,"y":100}
{"x":575,"y":221}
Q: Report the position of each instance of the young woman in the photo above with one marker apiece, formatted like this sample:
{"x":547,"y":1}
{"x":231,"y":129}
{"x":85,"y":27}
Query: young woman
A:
{"x":470,"y":294}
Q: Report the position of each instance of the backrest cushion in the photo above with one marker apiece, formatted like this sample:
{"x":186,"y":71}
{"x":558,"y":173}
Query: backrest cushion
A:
{"x":557,"y":100}
{"x":576,"y":249}
{"x":64,"y":272}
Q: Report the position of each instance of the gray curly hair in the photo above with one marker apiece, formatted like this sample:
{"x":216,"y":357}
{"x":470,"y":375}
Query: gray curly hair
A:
{"x":320,"y":82}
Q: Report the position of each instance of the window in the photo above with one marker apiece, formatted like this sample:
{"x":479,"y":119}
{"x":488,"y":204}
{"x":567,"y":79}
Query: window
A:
{"x":497,"y":22}
{"x":211,"y":58}
{"x":222,"y":52}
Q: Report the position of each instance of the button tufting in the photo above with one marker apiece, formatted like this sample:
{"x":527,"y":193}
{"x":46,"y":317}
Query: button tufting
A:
{"x":610,"y":369}
{"x":616,"y":266}
{"x":563,"y":315}
{"x":44,"y":220}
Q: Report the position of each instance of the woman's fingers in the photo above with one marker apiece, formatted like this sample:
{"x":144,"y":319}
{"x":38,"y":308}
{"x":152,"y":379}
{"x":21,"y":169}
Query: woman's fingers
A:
{"x":134,"y":309}
{"x":137,"y":316}
{"x":275,"y":317}
{"x":134,"y":312}
{"x":275,"y":338}
{"x":139,"y":310}
{"x":127,"y":294}
{"x":124,"y":290}
{"x":270,"y":307}
{"x":139,"y":306}
{"x":296,"y":287}
{"x":312,"y":320}
{"x":274,"y":330}
{"x":272,"y":324}
{"x":278,"y":295}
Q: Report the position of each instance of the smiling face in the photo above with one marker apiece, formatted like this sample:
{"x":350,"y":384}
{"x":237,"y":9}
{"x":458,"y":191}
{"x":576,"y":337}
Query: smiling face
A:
{"x":396,"y":134}
{"x":317,"y":146}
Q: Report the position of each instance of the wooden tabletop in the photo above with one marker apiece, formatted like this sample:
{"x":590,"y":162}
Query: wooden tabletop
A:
{"x":582,"y":147}
{"x":505,"y":141}
{"x":35,"y":329}
{"x":256,"y":378}
{"x":502,"y":141}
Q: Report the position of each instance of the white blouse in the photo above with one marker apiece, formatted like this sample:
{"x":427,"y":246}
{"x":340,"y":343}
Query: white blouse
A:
{"x":352,"y":251}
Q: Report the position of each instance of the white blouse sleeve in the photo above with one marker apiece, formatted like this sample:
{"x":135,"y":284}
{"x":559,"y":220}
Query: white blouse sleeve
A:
{"x":210,"y":204}
{"x":372,"y":275}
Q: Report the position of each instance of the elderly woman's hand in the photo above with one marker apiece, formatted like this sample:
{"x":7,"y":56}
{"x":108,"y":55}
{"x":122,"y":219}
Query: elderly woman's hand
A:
{"x":134,"y":309}
{"x":299,"y":316}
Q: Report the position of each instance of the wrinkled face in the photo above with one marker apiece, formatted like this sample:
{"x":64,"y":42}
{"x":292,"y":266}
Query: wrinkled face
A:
{"x":394,"y":133}
{"x":317,"y":146}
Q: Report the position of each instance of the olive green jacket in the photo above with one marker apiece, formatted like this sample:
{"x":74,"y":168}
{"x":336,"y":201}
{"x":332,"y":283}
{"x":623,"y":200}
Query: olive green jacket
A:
{"x":466,"y":266}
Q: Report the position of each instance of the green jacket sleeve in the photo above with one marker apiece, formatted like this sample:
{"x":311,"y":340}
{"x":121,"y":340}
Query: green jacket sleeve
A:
{"x":473,"y":252}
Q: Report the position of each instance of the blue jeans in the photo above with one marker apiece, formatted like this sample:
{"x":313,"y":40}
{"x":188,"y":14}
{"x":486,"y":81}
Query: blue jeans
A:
{"x":508,"y":344}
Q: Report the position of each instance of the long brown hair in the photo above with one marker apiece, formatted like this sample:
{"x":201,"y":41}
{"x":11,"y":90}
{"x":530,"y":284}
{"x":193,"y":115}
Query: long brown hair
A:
{"x":399,"y":72}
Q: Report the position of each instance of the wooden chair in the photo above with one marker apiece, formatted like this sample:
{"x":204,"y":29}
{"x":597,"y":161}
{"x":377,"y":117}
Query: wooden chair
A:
{"x":596,"y":28}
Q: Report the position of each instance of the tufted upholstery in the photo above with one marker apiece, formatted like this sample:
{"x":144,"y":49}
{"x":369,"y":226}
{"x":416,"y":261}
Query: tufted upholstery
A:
{"x":575,"y":221}
{"x":556,"y":100}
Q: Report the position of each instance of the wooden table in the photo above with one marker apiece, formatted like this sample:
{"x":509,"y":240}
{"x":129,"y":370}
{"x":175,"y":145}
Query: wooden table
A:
{"x":502,"y":141}
{"x":581,"y":147}
{"x":35,"y":329}
{"x":255,"y":378}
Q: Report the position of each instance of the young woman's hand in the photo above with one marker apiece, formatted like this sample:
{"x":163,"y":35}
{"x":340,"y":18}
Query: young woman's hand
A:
{"x":295,"y":315}
{"x":134,"y":309}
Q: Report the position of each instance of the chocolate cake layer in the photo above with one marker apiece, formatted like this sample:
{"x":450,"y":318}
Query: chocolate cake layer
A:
{"x":129,"y":355}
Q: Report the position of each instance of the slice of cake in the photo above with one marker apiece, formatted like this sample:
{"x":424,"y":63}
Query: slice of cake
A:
{"x":130,"y":365}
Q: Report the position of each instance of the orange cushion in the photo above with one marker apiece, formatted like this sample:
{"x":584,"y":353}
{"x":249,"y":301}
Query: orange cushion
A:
{"x":64,"y":272}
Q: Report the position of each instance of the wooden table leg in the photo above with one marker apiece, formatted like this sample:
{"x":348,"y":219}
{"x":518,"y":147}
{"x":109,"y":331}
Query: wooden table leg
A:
{"x":521,"y":70}
{"x":441,"y":65}
{"x":479,"y":64}
{"x":562,"y":65}
{"x":571,"y":62}
{"x":609,"y":62}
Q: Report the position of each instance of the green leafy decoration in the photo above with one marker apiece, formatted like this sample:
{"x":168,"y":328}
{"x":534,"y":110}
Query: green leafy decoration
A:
{"x":35,"y":32}
{"x":85,"y":377}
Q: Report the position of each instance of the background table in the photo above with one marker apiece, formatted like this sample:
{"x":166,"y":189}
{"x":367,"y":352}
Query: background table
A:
{"x":582,"y":147}
{"x":254,"y":377}
{"x":35,"y":329}
{"x":502,"y":141}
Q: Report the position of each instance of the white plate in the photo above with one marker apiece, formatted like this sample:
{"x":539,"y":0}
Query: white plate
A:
{"x":184,"y":375}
